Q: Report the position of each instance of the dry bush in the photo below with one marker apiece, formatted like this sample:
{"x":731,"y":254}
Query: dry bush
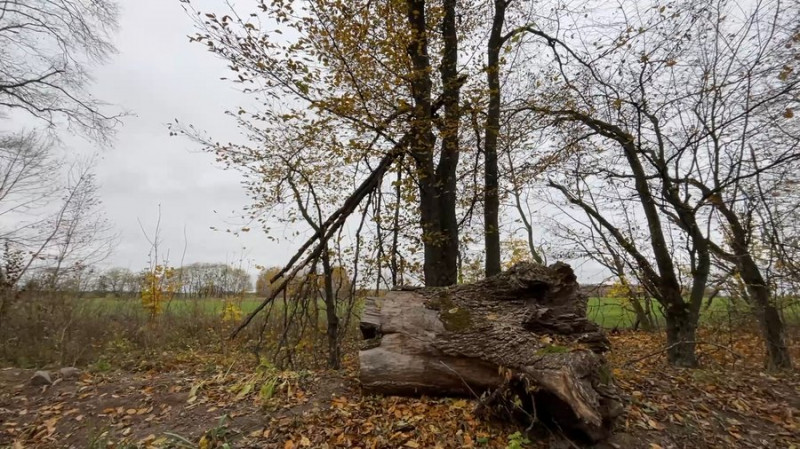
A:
{"x":61,"y":329}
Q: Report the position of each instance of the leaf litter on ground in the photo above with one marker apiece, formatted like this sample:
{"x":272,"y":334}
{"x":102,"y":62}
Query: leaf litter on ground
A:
{"x":213,"y":401}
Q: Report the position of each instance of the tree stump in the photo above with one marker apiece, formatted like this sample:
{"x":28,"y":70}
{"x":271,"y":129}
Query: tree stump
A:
{"x":519,"y":340}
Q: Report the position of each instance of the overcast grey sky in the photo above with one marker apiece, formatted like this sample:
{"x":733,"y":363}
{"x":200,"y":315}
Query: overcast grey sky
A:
{"x":159,"y":76}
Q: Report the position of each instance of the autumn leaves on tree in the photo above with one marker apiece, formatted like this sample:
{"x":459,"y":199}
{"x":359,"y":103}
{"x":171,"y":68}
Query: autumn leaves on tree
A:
{"x":368,"y":76}
{"x":664,"y":135}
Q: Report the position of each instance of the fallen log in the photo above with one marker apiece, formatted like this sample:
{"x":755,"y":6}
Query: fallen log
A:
{"x":519,"y":340}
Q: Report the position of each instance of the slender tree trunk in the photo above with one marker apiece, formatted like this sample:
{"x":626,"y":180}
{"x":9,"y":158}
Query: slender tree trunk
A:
{"x":772,"y":327}
{"x":681,"y":334}
{"x":446,"y":170}
{"x":645,"y":321}
{"x":396,"y":230}
{"x":491,"y":198}
{"x":523,"y":216}
{"x":4,"y":305}
{"x":769,"y":317}
{"x":680,"y":316}
{"x":334,"y":358}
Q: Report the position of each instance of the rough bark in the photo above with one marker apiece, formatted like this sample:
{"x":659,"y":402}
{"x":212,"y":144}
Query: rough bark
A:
{"x":334,"y":356}
{"x":449,"y":130}
{"x":769,"y":318}
{"x":681,"y":332}
{"x":436,"y":184}
{"x":491,"y":198}
{"x":778,"y":357}
{"x":522,"y":333}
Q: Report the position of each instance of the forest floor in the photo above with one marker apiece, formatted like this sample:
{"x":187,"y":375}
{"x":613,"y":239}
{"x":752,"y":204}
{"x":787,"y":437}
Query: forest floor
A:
{"x":200,"y":400}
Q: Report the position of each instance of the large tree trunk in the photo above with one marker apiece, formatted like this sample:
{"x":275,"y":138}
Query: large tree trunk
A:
{"x":772,"y":328}
{"x":769,"y":317}
{"x":522,"y":333}
{"x":681,"y":334}
{"x":446,"y":178}
{"x":491,"y":194}
{"x":436,"y":185}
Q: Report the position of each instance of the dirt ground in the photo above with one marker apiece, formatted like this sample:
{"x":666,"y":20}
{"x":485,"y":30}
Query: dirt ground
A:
{"x":204,"y":403}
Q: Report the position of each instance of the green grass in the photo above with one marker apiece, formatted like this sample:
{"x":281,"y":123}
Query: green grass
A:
{"x":180,"y":306}
{"x":607,"y":312}
{"x":615,"y":313}
{"x":176,"y":306}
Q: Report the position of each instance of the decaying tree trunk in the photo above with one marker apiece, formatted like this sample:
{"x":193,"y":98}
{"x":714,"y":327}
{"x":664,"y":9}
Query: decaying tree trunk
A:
{"x":520,"y":339}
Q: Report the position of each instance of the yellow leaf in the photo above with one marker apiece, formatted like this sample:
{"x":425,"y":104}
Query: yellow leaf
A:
{"x":411,"y":443}
{"x":203,"y":443}
{"x":51,"y":425}
{"x":785,"y":72}
{"x":304,"y":441}
{"x":289,"y":444}
{"x":459,"y":403}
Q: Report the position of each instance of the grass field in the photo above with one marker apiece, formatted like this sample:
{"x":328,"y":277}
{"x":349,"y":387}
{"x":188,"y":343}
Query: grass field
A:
{"x":607,"y":312}
{"x":176,"y":306}
{"x":614,"y":313}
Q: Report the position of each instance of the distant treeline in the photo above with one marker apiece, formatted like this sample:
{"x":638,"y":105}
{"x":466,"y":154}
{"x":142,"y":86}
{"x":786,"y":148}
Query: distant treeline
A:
{"x":198,"y":280}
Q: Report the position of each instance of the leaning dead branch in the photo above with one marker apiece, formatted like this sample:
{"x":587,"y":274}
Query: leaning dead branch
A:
{"x":327,"y":230}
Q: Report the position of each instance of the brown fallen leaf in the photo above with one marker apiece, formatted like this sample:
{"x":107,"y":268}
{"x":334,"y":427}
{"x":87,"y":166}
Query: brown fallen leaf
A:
{"x":655,"y":424}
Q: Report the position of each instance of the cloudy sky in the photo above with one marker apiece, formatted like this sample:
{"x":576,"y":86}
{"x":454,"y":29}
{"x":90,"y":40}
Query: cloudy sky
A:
{"x":158,"y":76}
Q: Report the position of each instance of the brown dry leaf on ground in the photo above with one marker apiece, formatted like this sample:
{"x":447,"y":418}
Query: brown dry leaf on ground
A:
{"x":207,"y":401}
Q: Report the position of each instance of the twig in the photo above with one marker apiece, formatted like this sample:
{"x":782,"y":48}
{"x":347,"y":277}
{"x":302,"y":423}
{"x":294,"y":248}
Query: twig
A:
{"x":328,"y":229}
{"x":663,"y":350}
{"x":563,"y":435}
{"x":462,"y":380}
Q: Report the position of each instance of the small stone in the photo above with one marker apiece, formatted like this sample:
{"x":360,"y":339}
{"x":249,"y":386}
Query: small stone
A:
{"x":41,"y":378}
{"x":69,"y":372}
